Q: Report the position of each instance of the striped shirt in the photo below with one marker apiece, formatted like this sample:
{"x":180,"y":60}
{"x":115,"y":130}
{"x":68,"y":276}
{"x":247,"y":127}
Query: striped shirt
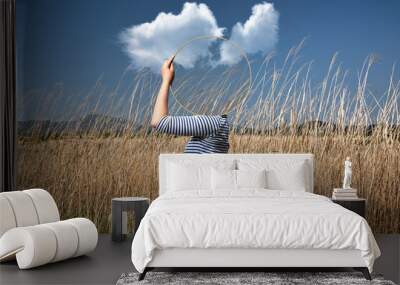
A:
{"x":210,"y":134}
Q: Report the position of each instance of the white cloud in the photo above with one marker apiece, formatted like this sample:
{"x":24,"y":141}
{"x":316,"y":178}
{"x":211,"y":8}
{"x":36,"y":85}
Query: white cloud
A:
{"x":258,"y":34}
{"x":149,"y":44}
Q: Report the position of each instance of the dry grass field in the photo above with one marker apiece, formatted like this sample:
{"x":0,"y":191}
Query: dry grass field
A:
{"x":84,"y":168}
{"x":84,"y":174}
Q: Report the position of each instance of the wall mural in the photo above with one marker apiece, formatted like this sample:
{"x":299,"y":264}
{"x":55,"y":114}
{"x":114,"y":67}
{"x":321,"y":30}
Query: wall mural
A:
{"x":303,"y":76}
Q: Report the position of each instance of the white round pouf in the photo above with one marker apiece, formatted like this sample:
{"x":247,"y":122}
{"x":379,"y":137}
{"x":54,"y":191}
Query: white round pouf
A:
{"x":52,"y":242}
{"x":31,"y":233}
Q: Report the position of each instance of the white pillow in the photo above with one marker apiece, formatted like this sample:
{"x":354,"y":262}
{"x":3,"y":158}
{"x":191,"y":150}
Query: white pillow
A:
{"x":251,"y":178}
{"x":282,"y":174}
{"x":193,"y":174}
{"x":223,"y":179}
{"x":227,"y":179}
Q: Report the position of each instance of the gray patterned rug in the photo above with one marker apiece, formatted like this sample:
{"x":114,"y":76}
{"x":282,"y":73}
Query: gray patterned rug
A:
{"x":273,"y":278}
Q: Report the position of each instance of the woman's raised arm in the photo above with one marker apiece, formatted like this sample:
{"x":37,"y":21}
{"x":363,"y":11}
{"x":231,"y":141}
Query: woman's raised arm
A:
{"x":161,"y":105}
{"x":198,"y":126}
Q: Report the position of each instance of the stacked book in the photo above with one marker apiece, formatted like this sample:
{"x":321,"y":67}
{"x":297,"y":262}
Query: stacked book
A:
{"x":344,"y":194}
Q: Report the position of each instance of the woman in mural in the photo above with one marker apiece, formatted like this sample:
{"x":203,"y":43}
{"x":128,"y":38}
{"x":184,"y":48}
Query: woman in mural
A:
{"x":210,"y":134}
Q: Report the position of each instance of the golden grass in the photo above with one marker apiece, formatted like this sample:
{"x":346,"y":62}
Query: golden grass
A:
{"x":83,"y":170}
{"x":84,"y":174}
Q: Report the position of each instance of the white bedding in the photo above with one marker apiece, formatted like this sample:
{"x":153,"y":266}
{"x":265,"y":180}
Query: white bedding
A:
{"x":251,"y":218}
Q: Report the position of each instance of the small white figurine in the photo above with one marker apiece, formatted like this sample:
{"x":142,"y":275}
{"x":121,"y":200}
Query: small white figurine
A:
{"x":347,"y":174}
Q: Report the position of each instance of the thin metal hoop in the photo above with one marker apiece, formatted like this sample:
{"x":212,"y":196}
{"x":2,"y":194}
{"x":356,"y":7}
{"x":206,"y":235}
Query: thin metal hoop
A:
{"x":242,"y":52}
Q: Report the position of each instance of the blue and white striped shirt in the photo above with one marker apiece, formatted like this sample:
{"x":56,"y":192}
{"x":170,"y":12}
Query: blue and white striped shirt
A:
{"x":210,"y":134}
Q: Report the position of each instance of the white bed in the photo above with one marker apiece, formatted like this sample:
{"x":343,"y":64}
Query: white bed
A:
{"x":248,"y":227}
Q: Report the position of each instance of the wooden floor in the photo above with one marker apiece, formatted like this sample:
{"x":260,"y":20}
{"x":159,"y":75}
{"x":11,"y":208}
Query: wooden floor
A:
{"x":110,"y":260}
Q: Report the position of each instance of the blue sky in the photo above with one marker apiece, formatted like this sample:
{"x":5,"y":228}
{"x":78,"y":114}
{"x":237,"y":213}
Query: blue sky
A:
{"x":74,"y":42}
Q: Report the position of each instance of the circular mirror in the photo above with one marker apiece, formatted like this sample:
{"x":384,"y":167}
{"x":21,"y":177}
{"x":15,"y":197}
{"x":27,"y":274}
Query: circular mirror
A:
{"x":212,"y":76}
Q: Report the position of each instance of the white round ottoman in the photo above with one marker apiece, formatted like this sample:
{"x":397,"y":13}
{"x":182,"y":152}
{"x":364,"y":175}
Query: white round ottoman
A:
{"x":31,"y":230}
{"x":45,"y":243}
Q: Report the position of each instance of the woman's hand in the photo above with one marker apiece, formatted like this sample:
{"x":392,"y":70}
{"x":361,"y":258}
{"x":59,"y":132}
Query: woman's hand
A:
{"x":167,"y":71}
{"x":161,"y":105}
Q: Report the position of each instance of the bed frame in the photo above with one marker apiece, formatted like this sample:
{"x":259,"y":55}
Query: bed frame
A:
{"x":245,"y":259}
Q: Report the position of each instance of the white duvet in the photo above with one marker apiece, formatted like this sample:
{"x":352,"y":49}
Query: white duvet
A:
{"x":250,"y":219}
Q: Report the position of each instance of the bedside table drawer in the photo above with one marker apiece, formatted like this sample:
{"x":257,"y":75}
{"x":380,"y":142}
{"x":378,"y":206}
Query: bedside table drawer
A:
{"x":357,"y":206}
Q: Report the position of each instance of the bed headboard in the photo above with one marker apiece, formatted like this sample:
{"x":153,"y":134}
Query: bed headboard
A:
{"x":167,"y":157}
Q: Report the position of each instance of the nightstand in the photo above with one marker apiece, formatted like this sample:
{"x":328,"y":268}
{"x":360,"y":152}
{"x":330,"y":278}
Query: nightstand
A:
{"x":137,"y":205}
{"x":356,"y":205}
